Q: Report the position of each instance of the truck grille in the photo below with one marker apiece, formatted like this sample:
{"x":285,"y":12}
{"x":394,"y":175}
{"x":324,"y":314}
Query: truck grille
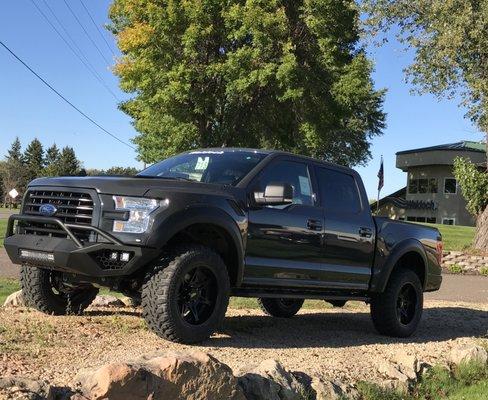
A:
{"x":72,"y":208}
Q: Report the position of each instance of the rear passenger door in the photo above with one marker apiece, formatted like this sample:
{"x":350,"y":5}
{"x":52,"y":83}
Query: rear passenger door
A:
{"x":349,"y":230}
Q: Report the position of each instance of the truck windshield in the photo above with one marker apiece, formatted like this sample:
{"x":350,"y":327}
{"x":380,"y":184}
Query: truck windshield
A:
{"x":210,"y":166}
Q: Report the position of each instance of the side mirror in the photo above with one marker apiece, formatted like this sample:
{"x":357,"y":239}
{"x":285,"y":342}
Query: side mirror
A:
{"x":275,"y":194}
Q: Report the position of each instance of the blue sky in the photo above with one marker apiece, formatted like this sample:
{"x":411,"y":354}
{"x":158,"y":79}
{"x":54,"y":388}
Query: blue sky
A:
{"x":28,"y":109}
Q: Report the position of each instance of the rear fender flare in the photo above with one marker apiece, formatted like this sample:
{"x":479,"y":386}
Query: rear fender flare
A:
{"x":380,"y":279}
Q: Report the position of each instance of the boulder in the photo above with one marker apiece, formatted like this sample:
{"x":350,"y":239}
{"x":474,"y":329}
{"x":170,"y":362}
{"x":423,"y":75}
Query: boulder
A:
{"x":468,"y":353}
{"x":26,"y":388}
{"x":326,"y":390}
{"x":170,"y":376}
{"x":269,"y":380}
{"x":107,"y":300}
{"x":15,"y":300}
{"x":407,"y":364}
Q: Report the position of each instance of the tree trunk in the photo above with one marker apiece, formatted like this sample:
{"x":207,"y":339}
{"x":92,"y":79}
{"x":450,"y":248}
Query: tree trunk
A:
{"x":481,"y":239}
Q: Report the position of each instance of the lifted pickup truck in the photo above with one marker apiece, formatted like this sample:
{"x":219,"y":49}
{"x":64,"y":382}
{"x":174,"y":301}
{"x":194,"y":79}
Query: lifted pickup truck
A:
{"x":188,"y":232}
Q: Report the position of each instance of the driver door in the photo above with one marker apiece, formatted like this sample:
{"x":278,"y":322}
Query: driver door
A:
{"x":284,"y":245}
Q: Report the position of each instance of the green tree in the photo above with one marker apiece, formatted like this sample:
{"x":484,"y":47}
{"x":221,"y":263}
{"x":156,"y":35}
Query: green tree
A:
{"x":123,"y":171}
{"x":13,"y":174}
{"x":52,"y":154}
{"x":68,"y":164}
{"x":15,"y":151}
{"x":34,"y":159}
{"x":450,"y":39}
{"x":281,"y":74}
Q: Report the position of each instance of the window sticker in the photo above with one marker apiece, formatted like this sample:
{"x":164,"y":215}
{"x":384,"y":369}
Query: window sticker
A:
{"x":304,"y":185}
{"x":202,"y":163}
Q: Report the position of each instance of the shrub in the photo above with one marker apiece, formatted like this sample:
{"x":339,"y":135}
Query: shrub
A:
{"x":455,"y":269}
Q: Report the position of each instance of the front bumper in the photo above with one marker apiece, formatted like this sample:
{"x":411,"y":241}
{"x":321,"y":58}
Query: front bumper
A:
{"x":70,"y":254}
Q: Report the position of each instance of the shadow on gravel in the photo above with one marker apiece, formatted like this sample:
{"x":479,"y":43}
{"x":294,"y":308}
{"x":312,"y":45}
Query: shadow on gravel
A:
{"x":107,"y":313}
{"x":345,"y":329}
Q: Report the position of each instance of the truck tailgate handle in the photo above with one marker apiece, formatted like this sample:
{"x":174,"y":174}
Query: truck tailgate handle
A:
{"x":365,"y":232}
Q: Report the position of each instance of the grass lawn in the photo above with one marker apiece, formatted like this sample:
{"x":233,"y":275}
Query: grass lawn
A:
{"x":456,"y":237}
{"x":3,"y":228}
{"x":7,"y":286}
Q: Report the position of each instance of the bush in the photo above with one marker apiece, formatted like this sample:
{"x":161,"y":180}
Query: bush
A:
{"x":455,"y":269}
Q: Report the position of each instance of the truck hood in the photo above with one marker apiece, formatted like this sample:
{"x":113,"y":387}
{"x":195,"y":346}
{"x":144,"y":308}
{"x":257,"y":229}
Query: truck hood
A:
{"x":133,"y":186}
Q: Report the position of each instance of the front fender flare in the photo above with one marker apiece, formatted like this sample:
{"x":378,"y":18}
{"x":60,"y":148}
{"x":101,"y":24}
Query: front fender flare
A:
{"x":165,"y":229}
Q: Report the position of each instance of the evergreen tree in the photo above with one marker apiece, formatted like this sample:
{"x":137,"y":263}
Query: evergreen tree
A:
{"x":52,"y":154}
{"x":15,"y":151}
{"x":34,"y":159}
{"x":68,"y":164}
{"x":12,"y":172}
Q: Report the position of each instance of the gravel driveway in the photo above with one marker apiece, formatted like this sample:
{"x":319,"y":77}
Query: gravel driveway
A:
{"x":334,"y":343}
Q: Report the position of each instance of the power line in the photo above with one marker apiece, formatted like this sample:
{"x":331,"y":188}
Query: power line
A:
{"x":100,"y":79}
{"x":64,"y":98}
{"x":98,"y":29}
{"x":86,"y":32}
{"x":85,"y":62}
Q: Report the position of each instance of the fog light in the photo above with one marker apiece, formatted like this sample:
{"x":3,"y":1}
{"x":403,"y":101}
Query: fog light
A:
{"x":37,"y":255}
{"x":114,"y":256}
{"x":125,"y":257}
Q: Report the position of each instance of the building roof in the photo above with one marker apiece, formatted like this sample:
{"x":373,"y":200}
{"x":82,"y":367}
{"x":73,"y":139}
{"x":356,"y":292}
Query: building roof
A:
{"x":465,"y":145}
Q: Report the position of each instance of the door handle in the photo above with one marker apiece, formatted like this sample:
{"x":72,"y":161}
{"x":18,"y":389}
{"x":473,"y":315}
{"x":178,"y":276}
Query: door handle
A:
{"x":365,"y":232}
{"x":314,"y":224}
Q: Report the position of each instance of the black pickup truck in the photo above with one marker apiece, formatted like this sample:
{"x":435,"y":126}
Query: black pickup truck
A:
{"x":188,"y":232}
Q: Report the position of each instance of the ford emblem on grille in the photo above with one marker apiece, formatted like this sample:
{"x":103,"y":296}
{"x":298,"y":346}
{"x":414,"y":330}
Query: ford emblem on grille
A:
{"x":48,"y":210}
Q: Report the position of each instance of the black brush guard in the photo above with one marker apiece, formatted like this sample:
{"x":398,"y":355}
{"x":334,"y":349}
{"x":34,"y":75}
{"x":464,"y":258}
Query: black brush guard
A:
{"x":70,"y":254}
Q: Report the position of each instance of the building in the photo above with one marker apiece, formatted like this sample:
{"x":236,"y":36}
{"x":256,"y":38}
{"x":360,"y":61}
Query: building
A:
{"x":432,"y":194}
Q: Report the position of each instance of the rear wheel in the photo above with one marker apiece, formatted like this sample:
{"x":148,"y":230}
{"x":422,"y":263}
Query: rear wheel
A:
{"x":397,"y":311}
{"x":185,"y":298}
{"x":282,"y":308}
{"x":44,"y":290}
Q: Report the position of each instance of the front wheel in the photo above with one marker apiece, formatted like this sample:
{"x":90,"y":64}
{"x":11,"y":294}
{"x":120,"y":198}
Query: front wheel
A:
{"x":184,"y":299}
{"x":282,"y":308}
{"x":397,"y":311}
{"x":45,"y":291}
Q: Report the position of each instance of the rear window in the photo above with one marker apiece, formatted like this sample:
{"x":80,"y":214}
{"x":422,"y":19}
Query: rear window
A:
{"x":338,"y":191}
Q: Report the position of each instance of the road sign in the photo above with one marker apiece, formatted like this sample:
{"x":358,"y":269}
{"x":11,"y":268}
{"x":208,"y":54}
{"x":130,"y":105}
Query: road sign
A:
{"x":13,"y":193}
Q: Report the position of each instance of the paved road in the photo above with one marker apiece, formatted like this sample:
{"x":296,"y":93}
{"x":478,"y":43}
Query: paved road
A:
{"x":468,"y":288}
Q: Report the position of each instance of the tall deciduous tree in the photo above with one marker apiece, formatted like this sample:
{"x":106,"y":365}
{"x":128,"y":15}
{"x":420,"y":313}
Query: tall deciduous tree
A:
{"x":34,"y":159}
{"x":285,"y":74}
{"x":450,"y":39}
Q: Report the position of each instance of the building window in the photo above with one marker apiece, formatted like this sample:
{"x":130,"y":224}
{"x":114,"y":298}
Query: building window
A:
{"x":401,"y":218}
{"x":422,"y":185}
{"x":450,"y":186}
{"x":413,"y":186}
{"x":448,"y":221}
{"x":433,"y":185}
{"x":421,"y":219}
{"x":432,"y":220}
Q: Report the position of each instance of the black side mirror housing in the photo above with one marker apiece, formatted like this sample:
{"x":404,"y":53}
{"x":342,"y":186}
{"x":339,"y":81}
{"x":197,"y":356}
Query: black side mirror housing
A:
{"x":275,"y":193}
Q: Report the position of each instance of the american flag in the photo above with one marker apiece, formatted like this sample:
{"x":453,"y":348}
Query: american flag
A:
{"x":381,"y":176}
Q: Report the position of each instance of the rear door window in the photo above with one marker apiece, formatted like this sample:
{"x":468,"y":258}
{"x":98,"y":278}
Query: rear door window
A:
{"x":338,"y":191}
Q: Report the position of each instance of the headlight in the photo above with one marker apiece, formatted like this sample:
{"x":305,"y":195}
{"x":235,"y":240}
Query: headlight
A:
{"x":139,"y":209}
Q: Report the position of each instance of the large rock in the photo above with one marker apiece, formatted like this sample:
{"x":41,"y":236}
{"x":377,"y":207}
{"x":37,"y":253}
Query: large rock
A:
{"x":25,"y":388}
{"x":468,"y":353}
{"x":15,"y":300}
{"x":107,"y":300}
{"x":170,"y":376}
{"x":326,"y":390}
{"x":270,"y":381}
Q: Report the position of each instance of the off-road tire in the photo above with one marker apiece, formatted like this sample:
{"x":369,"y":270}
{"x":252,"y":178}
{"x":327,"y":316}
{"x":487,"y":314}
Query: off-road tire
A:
{"x":337,"y":303}
{"x":40,"y":293}
{"x":160,"y":307}
{"x":281,"y":308}
{"x":385,"y":306}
